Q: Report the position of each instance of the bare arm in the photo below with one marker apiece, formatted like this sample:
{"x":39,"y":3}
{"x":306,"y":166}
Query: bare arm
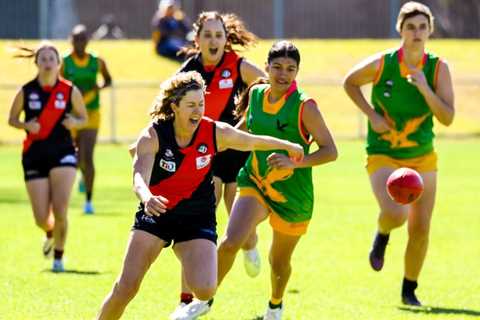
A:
{"x":107,"y":78}
{"x":14,"y":115}
{"x":230,"y":138}
{"x":440,"y":101}
{"x":146,"y":148}
{"x":250,"y":72}
{"x":362,"y":74}
{"x":314,"y":124}
{"x":79,"y":111}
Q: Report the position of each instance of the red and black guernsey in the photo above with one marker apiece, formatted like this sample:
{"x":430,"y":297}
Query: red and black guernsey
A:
{"x":224,"y":82}
{"x":184,"y":175}
{"x":49,"y":106}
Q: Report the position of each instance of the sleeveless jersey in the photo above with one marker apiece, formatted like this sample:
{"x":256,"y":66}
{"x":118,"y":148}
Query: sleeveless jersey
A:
{"x":289,"y":193}
{"x":404,"y":107}
{"x":84,"y":77}
{"x":224,"y":83}
{"x":49,"y":107}
{"x":184,"y":175}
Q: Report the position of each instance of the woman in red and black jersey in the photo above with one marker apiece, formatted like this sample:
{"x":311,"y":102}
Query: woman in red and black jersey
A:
{"x":226,"y":75}
{"x":172,"y":177}
{"x":52,"y":107}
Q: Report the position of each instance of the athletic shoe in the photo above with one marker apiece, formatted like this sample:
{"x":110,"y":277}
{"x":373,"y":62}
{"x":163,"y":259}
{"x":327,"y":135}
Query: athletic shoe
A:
{"x":47,"y":248}
{"x":177,"y":311}
{"x":273,"y":314}
{"x":193,"y":310}
{"x":251,"y":262}
{"x":88,"y":208}
{"x":58,"y":266}
{"x":377,"y":253}
{"x":410,"y":299}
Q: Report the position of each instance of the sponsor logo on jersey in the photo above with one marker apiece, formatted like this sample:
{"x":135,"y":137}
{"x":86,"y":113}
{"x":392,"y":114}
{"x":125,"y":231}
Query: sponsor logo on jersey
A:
{"x":203,"y":161}
{"x":34,"y":105}
{"x":169,"y":166}
{"x":69,"y":159}
{"x":226,"y":73}
{"x":168,"y":154}
{"x":33,"y":96}
{"x":202,"y":148}
{"x":225,"y":83}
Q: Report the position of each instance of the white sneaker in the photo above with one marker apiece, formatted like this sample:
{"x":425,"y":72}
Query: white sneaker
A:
{"x":251,"y":262}
{"x":177,"y":311}
{"x":192,"y":311}
{"x":273,"y":314}
{"x":58,"y":265}
{"x":47,"y":247}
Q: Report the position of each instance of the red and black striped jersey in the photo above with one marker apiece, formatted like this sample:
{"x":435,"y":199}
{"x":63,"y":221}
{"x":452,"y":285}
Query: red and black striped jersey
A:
{"x":49,"y":106}
{"x":224,"y":82}
{"x":184,"y":175}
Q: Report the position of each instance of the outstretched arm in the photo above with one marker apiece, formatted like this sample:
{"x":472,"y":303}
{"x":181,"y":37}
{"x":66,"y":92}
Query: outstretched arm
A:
{"x":230,"y":138}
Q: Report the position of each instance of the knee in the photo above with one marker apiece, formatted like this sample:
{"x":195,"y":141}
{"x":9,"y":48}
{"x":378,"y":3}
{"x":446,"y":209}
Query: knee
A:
{"x":125,"y":290}
{"x":279,"y":265}
{"x":42,"y":223}
{"x":205,"y":292}
{"x":230,"y":245}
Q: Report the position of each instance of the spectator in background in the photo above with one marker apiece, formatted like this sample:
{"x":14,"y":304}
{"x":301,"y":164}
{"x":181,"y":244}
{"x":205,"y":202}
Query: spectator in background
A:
{"x":171,"y":30}
{"x":109,"y":29}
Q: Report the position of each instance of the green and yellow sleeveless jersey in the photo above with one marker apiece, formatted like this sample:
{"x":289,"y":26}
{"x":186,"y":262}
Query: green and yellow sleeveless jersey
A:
{"x":404,"y":108}
{"x":83,"y":74}
{"x":288,"y":192}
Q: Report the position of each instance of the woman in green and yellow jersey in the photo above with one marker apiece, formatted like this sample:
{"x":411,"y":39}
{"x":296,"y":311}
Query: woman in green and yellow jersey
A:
{"x":271,"y":184}
{"x":81,"y":67}
{"x":410,"y":88}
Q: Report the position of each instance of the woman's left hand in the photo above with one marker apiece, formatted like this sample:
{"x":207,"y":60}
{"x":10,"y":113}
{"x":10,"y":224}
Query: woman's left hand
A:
{"x":69,"y":122}
{"x":280,"y":161}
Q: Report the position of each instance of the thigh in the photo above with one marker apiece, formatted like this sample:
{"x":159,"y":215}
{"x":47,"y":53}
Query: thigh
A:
{"x":61,"y":182}
{"x":199,"y":261}
{"x":39,"y":194}
{"x":247,"y":212}
{"x":378,"y":181}
{"x":282,"y":247}
{"x":422,"y":209}
{"x":142,"y":250}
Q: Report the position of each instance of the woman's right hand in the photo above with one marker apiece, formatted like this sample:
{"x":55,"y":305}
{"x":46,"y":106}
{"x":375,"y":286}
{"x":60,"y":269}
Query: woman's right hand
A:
{"x":379,"y":123}
{"x":32,"y":126}
{"x":155,"y":205}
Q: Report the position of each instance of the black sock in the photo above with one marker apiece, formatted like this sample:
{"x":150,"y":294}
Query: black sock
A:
{"x":89,"y":195}
{"x":58,"y":254}
{"x":384,"y":237}
{"x":49,"y":233}
{"x":274,"y":306}
{"x":408,"y":286}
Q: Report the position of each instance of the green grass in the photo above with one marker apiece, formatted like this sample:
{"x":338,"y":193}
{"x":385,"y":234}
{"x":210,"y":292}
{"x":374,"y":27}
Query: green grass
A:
{"x":331,"y":278}
{"x":134,"y":60}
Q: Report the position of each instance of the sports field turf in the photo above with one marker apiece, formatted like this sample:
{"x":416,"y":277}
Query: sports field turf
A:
{"x":331,"y":277}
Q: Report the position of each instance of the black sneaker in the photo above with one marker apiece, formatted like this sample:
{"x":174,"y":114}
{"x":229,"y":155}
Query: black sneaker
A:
{"x":410,"y":299}
{"x":408,"y":293}
{"x":377,"y":253}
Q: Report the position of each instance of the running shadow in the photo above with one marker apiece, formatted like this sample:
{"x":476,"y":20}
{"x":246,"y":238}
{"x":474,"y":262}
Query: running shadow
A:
{"x":440,"y":310}
{"x":77,"y":272}
{"x":257,"y":318}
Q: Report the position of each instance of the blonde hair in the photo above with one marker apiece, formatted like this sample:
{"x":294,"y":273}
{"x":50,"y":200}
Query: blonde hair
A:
{"x":411,"y":9}
{"x":236,"y":32}
{"x":28,"y":53}
{"x":173,"y":90}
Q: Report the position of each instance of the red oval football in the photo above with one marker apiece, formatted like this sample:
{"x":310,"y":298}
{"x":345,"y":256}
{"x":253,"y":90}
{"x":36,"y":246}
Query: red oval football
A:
{"x":404,"y":185}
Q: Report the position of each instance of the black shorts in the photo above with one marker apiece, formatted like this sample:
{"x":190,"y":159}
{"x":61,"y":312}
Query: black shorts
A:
{"x":177,"y":227}
{"x":228,"y":163}
{"x":40,"y":159}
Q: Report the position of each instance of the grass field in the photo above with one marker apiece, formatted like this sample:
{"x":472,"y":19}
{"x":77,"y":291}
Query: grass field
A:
{"x":331,"y":277}
{"x":323,"y":65}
